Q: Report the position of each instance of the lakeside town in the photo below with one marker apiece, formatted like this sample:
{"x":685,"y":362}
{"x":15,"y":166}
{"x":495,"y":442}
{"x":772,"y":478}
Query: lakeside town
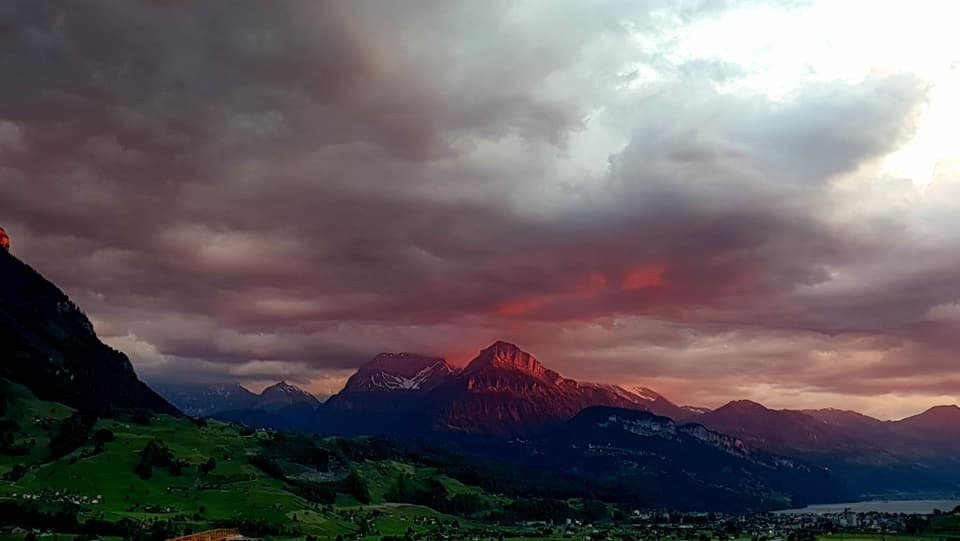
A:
{"x":661,"y":526}
{"x":796,"y":525}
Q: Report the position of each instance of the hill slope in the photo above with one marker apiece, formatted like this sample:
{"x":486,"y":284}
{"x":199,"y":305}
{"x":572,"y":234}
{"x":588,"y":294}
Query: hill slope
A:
{"x":874,"y":458}
{"x":657,"y":459}
{"x":212,"y":478}
{"x":49,"y":345}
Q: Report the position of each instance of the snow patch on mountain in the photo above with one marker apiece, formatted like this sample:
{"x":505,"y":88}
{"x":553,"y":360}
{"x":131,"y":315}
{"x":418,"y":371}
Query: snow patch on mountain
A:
{"x":386,"y":380}
{"x":646,"y":394}
{"x":696,"y":410}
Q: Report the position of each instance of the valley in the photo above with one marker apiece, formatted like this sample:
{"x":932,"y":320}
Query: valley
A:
{"x":506,"y":394}
{"x":205,"y":475}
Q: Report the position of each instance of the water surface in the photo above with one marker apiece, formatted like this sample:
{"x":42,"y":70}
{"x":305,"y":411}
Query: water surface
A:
{"x":921,"y":507}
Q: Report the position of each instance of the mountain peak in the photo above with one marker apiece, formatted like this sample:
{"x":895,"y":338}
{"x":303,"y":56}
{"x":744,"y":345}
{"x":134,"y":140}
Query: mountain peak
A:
{"x":935,"y":417}
{"x":745,"y":405}
{"x":741,"y":410}
{"x":283,"y":387}
{"x":504,"y":355}
{"x":645,"y":393}
{"x":401,"y":364}
{"x":281,"y":395}
{"x":206,"y":399}
{"x":399,"y":371}
{"x":947,"y":409}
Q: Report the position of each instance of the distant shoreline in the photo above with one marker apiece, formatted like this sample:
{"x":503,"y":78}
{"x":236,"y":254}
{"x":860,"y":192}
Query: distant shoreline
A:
{"x":907,"y":507}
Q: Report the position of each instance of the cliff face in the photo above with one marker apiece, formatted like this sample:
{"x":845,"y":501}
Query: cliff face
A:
{"x":49,"y":345}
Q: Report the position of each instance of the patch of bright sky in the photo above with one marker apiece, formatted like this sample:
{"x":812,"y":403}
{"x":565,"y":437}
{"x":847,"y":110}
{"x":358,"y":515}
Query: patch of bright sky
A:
{"x":776,"y":50}
{"x":846,"y":40}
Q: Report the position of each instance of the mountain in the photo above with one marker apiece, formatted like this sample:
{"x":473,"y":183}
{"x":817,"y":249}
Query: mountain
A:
{"x":505,"y":391}
{"x":694,"y":411}
{"x":204,"y":400}
{"x":933,"y":434}
{"x":506,"y":394}
{"x":871,"y":457}
{"x":48,"y":345}
{"x":824,"y":436}
{"x":390,"y":394}
{"x":685,"y":466}
{"x":399,"y":372}
{"x":938,"y":420}
{"x":281,"y":406}
{"x":833,"y":432}
{"x":846,"y":419}
{"x":282,"y":395}
{"x":774,"y":430}
{"x":650,"y":400}
{"x":388,"y":376}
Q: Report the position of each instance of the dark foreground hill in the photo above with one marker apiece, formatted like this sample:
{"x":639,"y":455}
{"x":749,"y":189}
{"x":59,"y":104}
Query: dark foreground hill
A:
{"x":49,"y":345}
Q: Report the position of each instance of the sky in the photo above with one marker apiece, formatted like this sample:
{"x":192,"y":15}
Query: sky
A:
{"x":714,"y":199}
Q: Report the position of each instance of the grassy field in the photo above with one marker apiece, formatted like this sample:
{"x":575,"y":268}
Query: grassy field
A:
{"x":32,"y":416}
{"x":106,"y":486}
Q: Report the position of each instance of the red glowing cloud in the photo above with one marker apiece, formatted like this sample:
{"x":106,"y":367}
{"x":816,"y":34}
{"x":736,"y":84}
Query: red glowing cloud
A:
{"x":643,"y":276}
{"x":521,"y":307}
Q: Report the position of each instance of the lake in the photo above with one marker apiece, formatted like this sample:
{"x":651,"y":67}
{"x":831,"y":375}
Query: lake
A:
{"x":923,"y":507}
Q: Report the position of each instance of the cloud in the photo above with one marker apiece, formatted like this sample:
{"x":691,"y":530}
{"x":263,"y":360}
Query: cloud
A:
{"x":240,"y":191}
{"x":11,"y":138}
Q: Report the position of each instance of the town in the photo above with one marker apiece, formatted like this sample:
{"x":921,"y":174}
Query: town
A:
{"x":665,"y":525}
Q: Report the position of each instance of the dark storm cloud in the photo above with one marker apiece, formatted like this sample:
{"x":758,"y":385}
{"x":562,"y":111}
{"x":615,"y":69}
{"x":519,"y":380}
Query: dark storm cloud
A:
{"x":254,"y":190}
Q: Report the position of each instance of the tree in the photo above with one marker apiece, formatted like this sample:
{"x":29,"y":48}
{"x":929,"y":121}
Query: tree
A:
{"x":16,"y":473}
{"x":208,"y":466}
{"x":71,"y":434}
{"x":355,"y":486}
{"x":8,"y":432}
{"x":157,"y":454}
{"x":144,"y":470}
{"x":594,"y":509}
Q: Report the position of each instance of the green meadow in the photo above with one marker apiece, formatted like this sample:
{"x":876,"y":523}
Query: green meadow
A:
{"x":102,"y":483}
